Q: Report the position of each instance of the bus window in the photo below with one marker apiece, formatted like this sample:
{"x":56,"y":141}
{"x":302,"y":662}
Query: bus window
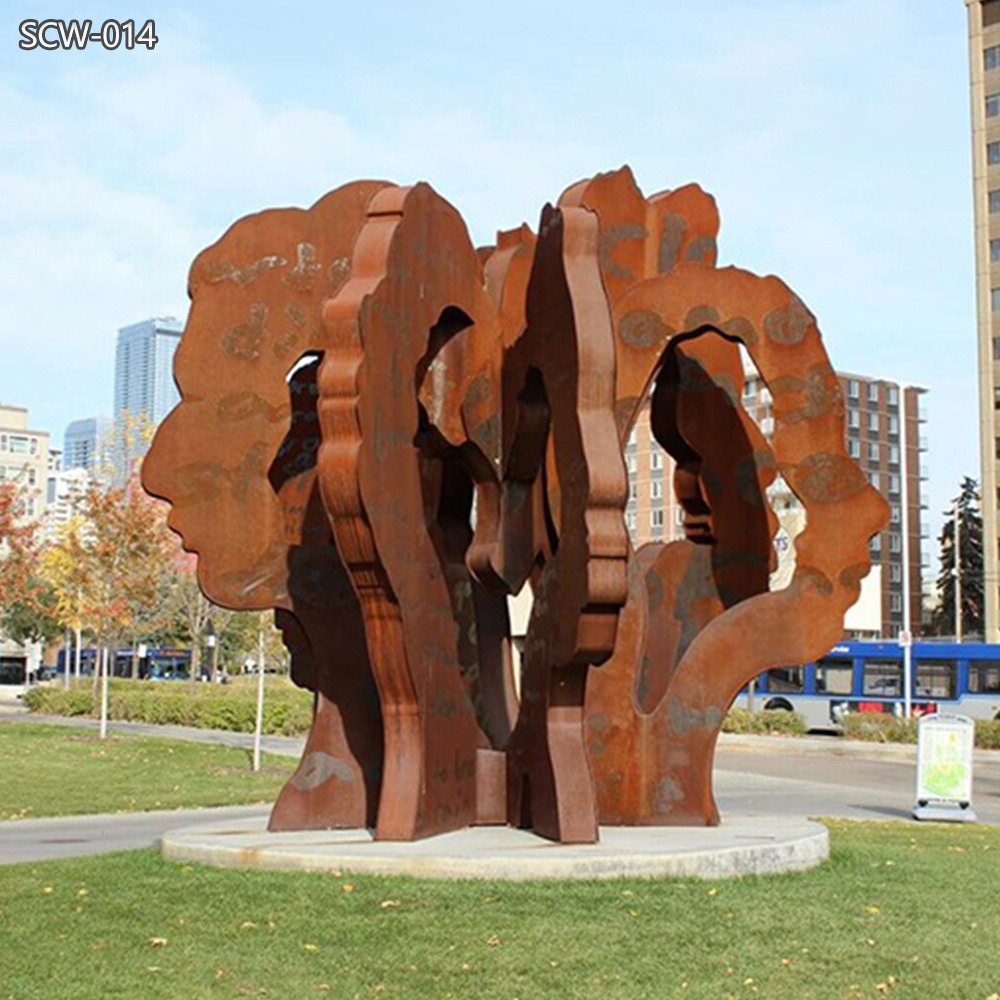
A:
{"x":789,"y":680}
{"x":984,"y":676}
{"x":883,"y":678}
{"x":936,"y":678}
{"x":834,"y":677}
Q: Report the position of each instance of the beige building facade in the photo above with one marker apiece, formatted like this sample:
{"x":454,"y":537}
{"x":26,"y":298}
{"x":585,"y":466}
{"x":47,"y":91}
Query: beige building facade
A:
{"x":984,"y":74}
{"x":884,"y":434}
{"x":24,"y":457}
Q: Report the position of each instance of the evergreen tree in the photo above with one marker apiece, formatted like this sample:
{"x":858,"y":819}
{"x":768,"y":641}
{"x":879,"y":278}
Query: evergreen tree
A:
{"x":970,"y":565}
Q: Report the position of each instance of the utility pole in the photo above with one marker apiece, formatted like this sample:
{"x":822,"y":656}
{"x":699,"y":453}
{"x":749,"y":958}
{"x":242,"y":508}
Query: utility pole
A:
{"x":258,"y":729}
{"x":958,"y":572}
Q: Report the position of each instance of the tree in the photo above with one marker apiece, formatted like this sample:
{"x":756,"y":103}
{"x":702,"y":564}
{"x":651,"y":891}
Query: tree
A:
{"x":64,"y":569}
{"x":970,"y":563}
{"x":24,"y":598}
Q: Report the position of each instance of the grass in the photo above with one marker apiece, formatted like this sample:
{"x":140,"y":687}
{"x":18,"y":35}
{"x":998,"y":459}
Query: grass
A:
{"x":55,"y":771}
{"x":900,"y":911}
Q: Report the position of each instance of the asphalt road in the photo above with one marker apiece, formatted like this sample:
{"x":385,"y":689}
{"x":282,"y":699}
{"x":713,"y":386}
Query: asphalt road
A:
{"x":814,"y":776}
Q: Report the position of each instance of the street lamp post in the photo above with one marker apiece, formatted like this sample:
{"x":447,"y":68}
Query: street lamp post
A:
{"x":211,"y":642}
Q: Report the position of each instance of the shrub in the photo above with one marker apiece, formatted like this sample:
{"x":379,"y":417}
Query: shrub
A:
{"x":767,"y":723}
{"x":988,"y":734}
{"x":287,"y":709}
{"x":879,"y":727}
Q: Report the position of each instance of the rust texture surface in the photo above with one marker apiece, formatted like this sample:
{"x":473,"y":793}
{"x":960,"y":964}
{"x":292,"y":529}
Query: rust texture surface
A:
{"x":384,"y":433}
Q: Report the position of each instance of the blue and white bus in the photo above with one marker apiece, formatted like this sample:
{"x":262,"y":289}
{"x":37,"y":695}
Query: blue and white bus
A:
{"x":961,"y":677}
{"x":159,"y":663}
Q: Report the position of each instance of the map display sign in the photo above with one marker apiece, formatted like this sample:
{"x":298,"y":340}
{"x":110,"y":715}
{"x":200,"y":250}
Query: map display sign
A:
{"x":944,"y":759}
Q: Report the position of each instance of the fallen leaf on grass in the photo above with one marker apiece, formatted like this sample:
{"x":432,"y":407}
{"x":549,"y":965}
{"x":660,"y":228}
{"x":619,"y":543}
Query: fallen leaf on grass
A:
{"x":873,"y":909}
{"x":390,"y":904}
{"x":246,"y":925}
{"x":157,"y":942}
{"x":347,"y":887}
{"x":310,"y":947}
{"x":493,"y":940}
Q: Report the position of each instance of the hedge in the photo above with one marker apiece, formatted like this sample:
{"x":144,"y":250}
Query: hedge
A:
{"x":879,"y":727}
{"x":767,"y":723}
{"x":287,"y":709}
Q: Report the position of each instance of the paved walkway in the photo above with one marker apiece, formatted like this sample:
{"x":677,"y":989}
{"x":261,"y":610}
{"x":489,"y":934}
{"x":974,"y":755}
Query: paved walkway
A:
{"x":754,"y":776}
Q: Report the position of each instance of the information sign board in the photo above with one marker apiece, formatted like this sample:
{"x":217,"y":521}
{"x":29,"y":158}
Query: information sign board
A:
{"x":944,"y":767}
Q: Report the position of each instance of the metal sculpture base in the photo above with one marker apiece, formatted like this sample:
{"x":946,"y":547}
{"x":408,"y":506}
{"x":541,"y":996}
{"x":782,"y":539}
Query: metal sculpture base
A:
{"x":742,"y":845}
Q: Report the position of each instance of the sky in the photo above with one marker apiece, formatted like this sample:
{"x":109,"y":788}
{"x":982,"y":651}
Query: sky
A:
{"x":834,"y":135}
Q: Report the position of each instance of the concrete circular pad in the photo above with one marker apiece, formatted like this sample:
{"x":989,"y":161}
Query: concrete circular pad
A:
{"x":742,"y":845}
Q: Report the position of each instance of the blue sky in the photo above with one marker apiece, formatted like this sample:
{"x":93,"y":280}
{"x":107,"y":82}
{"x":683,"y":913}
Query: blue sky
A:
{"x":833,"y":133}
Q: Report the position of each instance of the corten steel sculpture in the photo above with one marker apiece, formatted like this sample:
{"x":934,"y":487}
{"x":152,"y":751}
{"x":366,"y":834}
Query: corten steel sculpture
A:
{"x":700,"y":622}
{"x":236,"y":460}
{"x":385,"y":472}
{"x":473,"y":409}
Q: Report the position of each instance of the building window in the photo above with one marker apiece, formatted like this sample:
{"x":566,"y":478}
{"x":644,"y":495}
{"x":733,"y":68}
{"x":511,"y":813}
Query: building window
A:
{"x":995,"y":251}
{"x":895,"y":603}
{"x":998,"y":449}
{"x":895,"y":542}
{"x":630,"y":463}
{"x":656,"y":459}
{"x":633,"y":491}
{"x":854,"y":448}
{"x":872,"y":392}
{"x":996,"y":398}
{"x":630,"y":520}
{"x":992,"y":105}
{"x":995,"y":299}
{"x":892,"y":396}
{"x":895,"y":514}
{"x":656,"y":518}
{"x":872,"y":451}
{"x":893,"y":425}
{"x":853,"y":419}
{"x":656,"y":489}
{"x":873,"y":423}
{"x":18,"y":444}
{"x":894,"y":454}
{"x":991,"y":57}
{"x":993,"y":200}
{"x":875,"y":545}
{"x":893,"y":483}
{"x":873,"y":478}
{"x":993,"y":153}
{"x":895,"y":573}
{"x":853,"y":388}
{"x":631,"y":438}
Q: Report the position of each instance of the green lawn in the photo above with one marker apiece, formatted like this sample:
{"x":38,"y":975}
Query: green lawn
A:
{"x":58,"y":771}
{"x":901,"y":911}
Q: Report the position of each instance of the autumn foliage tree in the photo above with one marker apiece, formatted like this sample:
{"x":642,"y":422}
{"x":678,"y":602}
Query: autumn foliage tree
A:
{"x":110,"y":564}
{"x":25,"y":600}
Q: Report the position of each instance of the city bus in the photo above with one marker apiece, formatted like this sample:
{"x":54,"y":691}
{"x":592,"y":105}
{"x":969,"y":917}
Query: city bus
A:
{"x":959,"y":677}
{"x":164,"y":663}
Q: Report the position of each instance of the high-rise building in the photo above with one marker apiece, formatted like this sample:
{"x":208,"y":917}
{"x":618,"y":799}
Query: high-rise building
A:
{"x":984,"y":72}
{"x":884,"y":435}
{"x":83,"y":442}
{"x":144,"y":385}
